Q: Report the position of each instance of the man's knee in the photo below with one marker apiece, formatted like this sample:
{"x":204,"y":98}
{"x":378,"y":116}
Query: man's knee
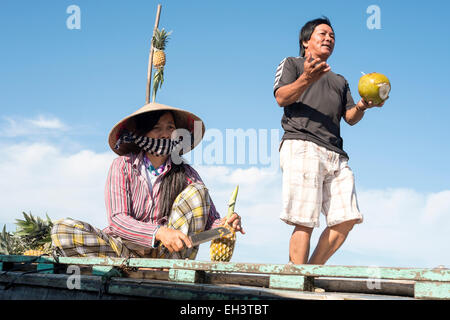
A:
{"x":346,"y":226}
{"x":302,"y":233}
{"x":303,"y":229}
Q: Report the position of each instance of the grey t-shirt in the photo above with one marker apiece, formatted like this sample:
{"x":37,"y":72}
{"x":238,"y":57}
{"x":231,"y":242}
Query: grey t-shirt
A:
{"x":316,"y":116}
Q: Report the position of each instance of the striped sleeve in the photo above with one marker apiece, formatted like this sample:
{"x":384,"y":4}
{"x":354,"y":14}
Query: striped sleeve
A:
{"x":286,"y":73}
{"x":121,"y":218}
{"x":214,"y":219}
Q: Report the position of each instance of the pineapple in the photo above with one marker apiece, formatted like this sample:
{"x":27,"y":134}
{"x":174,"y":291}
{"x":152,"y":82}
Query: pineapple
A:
{"x":159,"y":58}
{"x":159,"y":42}
{"x":36,"y":253}
{"x":221,"y":249}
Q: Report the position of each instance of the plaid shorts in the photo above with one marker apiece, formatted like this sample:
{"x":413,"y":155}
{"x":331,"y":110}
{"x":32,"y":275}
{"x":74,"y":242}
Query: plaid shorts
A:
{"x":316,"y":180}
{"x":72,"y":238}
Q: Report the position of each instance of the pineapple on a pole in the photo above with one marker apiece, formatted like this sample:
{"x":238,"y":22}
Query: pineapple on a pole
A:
{"x":160,"y":39}
{"x":159,"y":42}
{"x":221,"y":249}
{"x":150,"y":58}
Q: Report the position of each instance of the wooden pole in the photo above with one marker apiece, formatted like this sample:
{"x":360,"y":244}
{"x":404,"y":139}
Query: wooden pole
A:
{"x":150,"y":59}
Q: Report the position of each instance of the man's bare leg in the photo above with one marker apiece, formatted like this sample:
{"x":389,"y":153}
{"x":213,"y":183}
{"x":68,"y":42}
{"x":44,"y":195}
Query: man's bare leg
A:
{"x":330,"y":241}
{"x":299,"y":245}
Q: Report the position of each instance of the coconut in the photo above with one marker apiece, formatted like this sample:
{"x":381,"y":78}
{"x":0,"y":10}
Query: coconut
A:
{"x":374,"y":87}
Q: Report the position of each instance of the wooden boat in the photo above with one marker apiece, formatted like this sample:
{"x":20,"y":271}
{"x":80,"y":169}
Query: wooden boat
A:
{"x":45,"y":277}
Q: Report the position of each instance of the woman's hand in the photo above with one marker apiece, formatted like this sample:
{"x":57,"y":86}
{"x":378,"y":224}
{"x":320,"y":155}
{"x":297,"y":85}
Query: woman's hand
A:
{"x":235,"y":222}
{"x":173,"y":240}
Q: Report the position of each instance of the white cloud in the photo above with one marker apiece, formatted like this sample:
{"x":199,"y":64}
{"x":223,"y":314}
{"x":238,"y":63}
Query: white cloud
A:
{"x":402,"y":227}
{"x":406,"y":226}
{"x":42,"y":179}
{"x":437,"y":205}
{"x":20,"y":127}
{"x":47,"y":123}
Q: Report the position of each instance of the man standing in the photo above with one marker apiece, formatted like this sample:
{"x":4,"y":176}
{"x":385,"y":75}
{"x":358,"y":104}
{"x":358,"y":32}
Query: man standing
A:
{"x":316,"y":175}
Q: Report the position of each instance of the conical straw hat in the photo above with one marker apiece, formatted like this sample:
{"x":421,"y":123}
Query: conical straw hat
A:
{"x":183,"y":120}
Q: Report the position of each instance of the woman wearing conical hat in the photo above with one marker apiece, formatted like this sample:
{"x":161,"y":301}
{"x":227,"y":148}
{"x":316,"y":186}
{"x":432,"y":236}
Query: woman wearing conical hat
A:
{"x":154,"y":200}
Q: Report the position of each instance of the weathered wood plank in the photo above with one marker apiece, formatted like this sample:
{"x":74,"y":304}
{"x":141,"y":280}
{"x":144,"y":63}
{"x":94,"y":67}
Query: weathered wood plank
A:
{"x":415,"y":274}
{"x":101,"y":270}
{"x":189,"y":276}
{"x":320,"y":270}
{"x":238,"y":279}
{"x":432,"y":290}
{"x":27,"y":285}
{"x":209,"y":277}
{"x":291,"y":282}
{"x":147,"y":274}
{"x":382,"y":287}
{"x":45,"y":267}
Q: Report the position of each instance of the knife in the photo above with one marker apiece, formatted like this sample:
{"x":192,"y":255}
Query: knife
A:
{"x":206,"y":236}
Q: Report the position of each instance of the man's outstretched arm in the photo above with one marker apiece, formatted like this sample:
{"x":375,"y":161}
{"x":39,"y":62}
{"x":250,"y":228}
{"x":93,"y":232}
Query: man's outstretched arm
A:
{"x":354,"y":115}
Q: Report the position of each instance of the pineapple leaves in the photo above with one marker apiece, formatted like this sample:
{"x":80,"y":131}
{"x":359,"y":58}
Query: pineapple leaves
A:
{"x":160,"y":38}
{"x":31,"y":233}
{"x":158,"y":80}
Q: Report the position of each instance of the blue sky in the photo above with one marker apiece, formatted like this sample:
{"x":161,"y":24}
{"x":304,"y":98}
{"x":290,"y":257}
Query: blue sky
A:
{"x":63,"y":90}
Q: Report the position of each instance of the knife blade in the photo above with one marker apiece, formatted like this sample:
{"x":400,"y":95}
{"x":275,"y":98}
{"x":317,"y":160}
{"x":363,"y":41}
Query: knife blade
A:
{"x":209,"y":235}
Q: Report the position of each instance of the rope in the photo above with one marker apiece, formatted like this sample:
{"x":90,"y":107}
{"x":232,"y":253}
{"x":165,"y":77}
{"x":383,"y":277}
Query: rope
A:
{"x":114,"y":272}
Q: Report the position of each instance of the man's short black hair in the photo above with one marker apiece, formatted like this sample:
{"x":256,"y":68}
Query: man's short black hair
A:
{"x":308,"y":29}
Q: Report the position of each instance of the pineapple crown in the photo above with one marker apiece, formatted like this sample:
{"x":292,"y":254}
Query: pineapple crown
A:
{"x":32,"y":224}
{"x":34,"y":230}
{"x":31,"y":233}
{"x":160,"y":39}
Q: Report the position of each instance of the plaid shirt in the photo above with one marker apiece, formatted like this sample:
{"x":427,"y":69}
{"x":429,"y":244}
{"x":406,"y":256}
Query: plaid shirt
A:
{"x":132,"y":208}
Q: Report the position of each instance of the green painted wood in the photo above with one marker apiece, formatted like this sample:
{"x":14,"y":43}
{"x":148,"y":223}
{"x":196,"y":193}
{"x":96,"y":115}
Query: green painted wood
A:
{"x":291,"y":282}
{"x":1,"y":266}
{"x":321,"y":270}
{"x":65,"y":260}
{"x":45,"y":268}
{"x":415,"y":274}
{"x":178,"y":275}
{"x":101,"y":270}
{"x":138,"y":288}
{"x":432,"y":290}
{"x":13,"y":258}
